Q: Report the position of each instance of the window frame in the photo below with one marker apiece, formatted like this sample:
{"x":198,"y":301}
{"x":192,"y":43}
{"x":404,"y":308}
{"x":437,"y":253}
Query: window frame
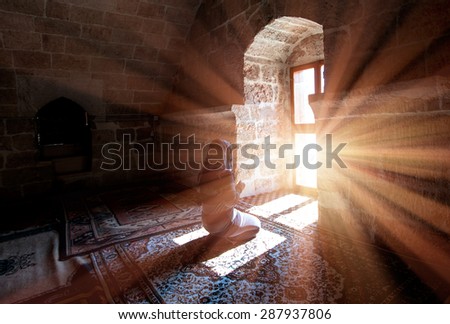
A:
{"x":317,"y":65}
{"x":305,"y":128}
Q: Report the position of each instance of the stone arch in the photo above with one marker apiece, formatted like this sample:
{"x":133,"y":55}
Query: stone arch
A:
{"x":283,"y":43}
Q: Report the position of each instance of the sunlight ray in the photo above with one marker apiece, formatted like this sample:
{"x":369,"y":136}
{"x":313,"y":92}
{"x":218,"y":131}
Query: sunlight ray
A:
{"x":399,"y":232}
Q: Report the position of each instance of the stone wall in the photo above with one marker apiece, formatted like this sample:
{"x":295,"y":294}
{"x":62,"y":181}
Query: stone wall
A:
{"x":186,"y":137}
{"x":115,"y":58}
{"x":23,"y":173}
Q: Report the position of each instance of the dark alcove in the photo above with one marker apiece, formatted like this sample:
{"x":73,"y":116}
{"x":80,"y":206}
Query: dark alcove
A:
{"x":64,"y":136}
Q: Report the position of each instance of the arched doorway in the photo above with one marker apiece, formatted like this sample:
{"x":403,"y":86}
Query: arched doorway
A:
{"x":283,"y":44}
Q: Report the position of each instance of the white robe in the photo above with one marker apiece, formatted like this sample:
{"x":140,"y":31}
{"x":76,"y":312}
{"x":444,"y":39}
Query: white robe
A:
{"x":219,"y":217}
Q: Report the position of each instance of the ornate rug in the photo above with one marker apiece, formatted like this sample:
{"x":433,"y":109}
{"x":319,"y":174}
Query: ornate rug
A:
{"x":92,"y":221}
{"x":30,"y":272}
{"x":132,"y":205}
{"x":281,"y":265}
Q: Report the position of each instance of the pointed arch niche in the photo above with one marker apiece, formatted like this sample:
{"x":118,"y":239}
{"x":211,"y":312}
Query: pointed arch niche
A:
{"x":284,"y":43}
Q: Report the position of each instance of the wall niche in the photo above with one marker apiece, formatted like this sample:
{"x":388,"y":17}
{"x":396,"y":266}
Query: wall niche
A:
{"x":64,"y":136}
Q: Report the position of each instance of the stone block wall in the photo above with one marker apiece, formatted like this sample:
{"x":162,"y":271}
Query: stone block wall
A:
{"x":23,"y":173}
{"x":115,"y":58}
{"x":256,"y":127}
{"x":186,"y":137}
{"x":126,"y":50}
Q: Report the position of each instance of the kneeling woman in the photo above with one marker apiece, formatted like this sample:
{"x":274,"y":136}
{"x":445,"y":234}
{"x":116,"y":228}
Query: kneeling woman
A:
{"x":220,"y":193}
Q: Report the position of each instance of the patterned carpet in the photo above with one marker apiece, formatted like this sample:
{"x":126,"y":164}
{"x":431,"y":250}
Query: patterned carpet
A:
{"x":171,"y":259}
{"x":91,"y":223}
{"x":281,"y":265}
{"x":133,"y":205}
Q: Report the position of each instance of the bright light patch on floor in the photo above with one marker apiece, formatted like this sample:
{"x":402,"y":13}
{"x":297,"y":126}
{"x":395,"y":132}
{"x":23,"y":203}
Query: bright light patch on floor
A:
{"x":240,"y":255}
{"x":190,"y":236}
{"x":301,"y":217}
{"x":236,"y":257}
{"x":278,"y":205}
